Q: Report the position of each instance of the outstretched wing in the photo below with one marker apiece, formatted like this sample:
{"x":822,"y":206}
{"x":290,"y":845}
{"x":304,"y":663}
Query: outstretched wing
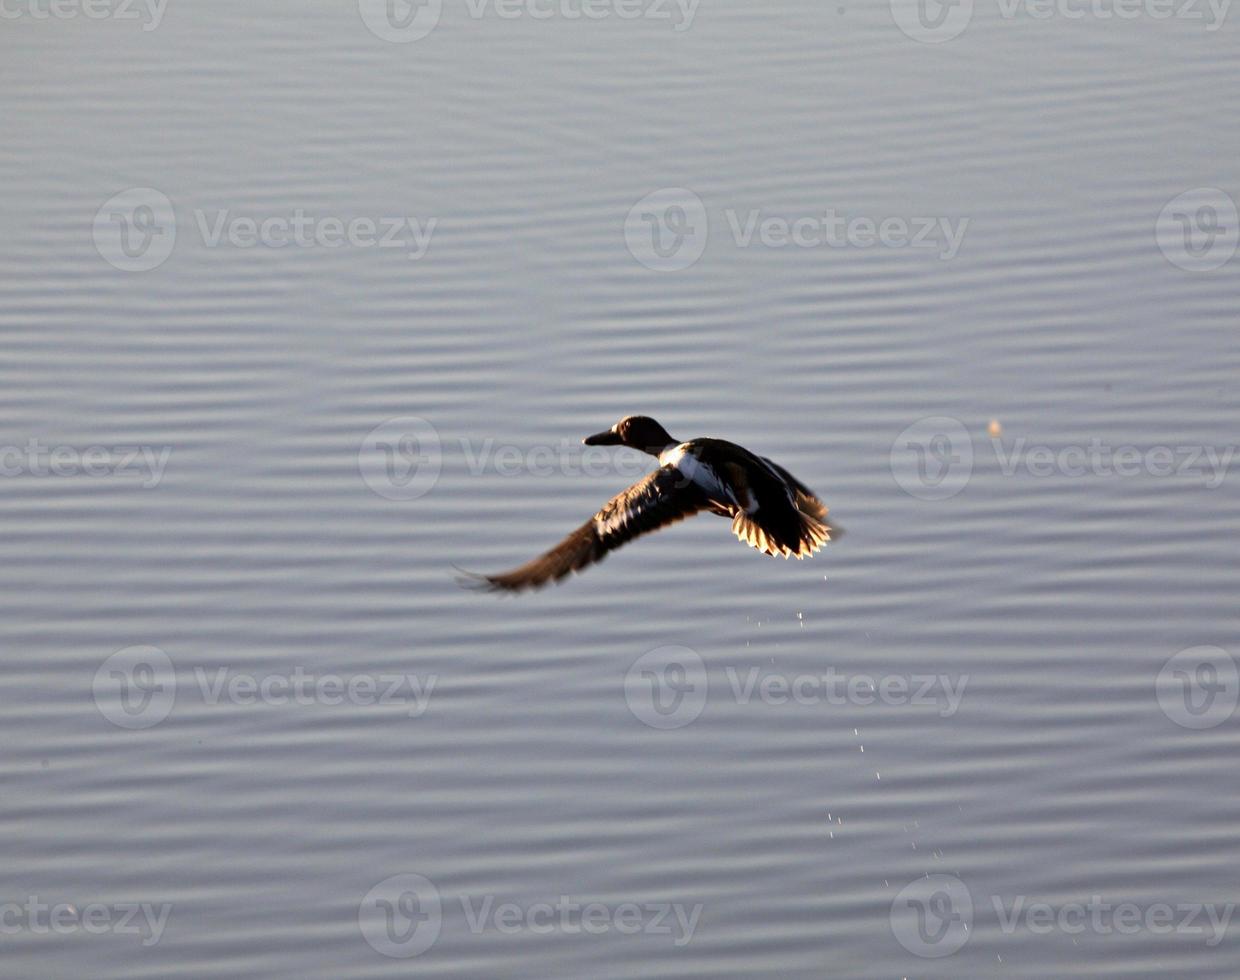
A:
{"x":807,"y":500}
{"x":657,"y":500}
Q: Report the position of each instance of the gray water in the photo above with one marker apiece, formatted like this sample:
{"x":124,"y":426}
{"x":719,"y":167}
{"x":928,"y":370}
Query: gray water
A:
{"x":981,"y":773}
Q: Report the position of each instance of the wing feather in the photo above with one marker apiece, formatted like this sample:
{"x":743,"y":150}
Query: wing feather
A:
{"x":812,"y":534}
{"x":657,"y":500}
{"x":807,"y":500}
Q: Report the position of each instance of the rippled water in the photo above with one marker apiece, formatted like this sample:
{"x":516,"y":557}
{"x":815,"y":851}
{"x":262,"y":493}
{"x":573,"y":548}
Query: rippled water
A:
{"x":323,"y":759}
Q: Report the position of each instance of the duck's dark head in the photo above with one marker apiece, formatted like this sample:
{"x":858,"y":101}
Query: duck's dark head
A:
{"x":635,"y":431}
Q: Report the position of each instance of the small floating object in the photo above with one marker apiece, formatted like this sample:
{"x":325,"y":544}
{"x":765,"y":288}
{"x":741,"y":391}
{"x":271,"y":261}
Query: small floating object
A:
{"x":994,"y":430}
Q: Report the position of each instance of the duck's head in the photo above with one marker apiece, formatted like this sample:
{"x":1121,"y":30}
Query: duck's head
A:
{"x":635,"y":431}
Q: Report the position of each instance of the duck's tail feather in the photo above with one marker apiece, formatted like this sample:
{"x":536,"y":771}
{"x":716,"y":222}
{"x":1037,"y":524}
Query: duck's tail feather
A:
{"x":801,"y":536}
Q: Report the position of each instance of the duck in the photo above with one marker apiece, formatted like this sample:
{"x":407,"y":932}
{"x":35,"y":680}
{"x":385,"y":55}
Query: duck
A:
{"x":770,"y":509}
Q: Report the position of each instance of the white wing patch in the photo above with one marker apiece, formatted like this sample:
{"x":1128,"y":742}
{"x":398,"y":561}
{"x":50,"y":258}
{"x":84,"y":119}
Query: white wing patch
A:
{"x":673,"y":456}
{"x":697,"y":472}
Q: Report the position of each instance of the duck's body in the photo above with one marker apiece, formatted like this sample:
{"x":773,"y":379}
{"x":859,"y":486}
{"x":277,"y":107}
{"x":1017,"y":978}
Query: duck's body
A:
{"x":767,"y":504}
{"x":770,"y":509}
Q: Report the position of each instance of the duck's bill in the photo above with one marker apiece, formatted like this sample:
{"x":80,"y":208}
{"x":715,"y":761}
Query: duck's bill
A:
{"x":607,"y":438}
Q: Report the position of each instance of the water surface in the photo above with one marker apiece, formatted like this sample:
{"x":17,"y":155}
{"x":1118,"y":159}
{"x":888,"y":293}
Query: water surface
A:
{"x":1047,"y":596}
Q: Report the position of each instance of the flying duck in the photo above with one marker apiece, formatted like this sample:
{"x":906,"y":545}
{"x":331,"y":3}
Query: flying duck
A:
{"x":770,"y":509}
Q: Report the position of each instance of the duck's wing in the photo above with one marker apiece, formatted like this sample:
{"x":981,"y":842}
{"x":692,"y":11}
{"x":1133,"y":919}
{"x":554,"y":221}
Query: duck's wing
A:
{"x":657,"y":500}
{"x":807,"y":500}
